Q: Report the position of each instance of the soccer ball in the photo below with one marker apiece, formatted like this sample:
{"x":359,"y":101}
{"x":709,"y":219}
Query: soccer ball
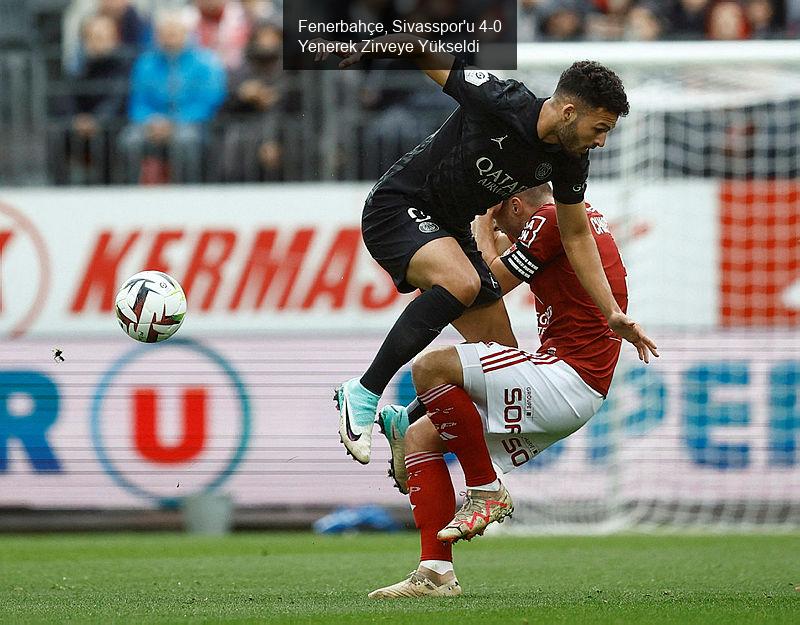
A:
{"x":150,"y":306}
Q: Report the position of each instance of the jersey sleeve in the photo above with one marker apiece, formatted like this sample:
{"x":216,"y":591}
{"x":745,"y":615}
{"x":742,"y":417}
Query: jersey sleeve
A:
{"x":537,"y":245}
{"x":478,"y":90}
{"x":569,"y":180}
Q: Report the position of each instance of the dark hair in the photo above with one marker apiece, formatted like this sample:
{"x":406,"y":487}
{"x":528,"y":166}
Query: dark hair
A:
{"x":595,"y":85}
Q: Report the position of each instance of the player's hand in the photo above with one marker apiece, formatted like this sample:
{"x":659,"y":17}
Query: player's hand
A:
{"x":483,"y":224}
{"x":487,"y":219}
{"x":632,"y":332}
{"x":341,"y":49}
{"x":349,"y":60}
{"x":492,"y":210}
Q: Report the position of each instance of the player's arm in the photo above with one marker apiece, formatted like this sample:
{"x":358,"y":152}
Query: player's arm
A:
{"x":581,"y":250}
{"x":412,"y":49}
{"x":501,"y":242}
{"x":492,"y":245}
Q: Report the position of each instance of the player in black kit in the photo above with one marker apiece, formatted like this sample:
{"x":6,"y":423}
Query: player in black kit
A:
{"x":416,"y":221}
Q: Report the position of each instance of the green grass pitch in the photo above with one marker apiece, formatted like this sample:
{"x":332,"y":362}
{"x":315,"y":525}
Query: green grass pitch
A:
{"x":303,"y":578}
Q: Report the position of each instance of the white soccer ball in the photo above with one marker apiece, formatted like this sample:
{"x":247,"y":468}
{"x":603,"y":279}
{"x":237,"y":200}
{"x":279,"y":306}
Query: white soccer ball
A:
{"x":150,"y":306}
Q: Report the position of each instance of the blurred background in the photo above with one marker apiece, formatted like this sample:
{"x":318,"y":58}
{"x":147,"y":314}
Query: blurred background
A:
{"x":245,"y":182}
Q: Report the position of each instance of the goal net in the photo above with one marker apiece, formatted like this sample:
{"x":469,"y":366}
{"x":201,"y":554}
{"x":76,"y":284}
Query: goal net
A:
{"x":700,"y":184}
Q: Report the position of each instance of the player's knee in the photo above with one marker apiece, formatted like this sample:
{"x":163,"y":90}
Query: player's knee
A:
{"x":463,"y":286}
{"x":422,"y":436}
{"x":431,"y":368}
{"x":422,"y":370}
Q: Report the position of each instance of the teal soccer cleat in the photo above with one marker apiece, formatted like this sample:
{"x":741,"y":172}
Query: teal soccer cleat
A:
{"x":393,"y":421}
{"x":357,"y":407}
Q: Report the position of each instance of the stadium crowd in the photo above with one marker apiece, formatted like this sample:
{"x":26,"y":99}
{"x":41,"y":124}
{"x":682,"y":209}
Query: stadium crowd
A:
{"x":651,"y":20}
{"x":164,"y":95}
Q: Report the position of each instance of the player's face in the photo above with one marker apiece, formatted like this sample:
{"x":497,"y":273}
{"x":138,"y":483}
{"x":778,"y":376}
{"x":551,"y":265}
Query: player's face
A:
{"x":586,"y":129}
{"x":501,"y":215}
{"x":512,"y":216}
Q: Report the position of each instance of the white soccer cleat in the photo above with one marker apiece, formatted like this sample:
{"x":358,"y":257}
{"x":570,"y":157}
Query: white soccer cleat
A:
{"x":480,"y":508}
{"x":357,"y":407}
{"x":421,"y":583}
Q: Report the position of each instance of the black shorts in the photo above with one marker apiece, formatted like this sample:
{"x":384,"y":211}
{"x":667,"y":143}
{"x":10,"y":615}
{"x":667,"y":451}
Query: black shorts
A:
{"x":394,"y":230}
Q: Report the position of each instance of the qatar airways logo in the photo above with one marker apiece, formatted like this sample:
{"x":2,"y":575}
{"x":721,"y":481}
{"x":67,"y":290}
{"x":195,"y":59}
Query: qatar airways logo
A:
{"x":497,"y":180}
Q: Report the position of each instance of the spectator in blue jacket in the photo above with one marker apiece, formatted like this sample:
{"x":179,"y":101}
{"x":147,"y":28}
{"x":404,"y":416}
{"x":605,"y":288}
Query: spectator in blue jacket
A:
{"x":176,"y":90}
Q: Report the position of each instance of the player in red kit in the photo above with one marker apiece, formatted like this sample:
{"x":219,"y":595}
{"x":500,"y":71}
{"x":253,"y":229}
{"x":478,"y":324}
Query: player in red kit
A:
{"x":500,"y":140}
{"x":497,"y":406}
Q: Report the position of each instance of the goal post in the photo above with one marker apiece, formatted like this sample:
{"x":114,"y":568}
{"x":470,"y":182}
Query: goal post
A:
{"x":701,"y":184}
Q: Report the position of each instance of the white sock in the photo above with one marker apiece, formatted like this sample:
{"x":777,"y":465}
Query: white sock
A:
{"x":437,"y":566}
{"x":490,"y":486}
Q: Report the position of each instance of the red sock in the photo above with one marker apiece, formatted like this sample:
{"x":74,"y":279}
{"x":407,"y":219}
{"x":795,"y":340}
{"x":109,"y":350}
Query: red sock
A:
{"x":460,"y":427}
{"x":433,"y":501}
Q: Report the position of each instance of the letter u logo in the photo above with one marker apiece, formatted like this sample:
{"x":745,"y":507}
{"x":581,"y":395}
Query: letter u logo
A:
{"x":146,"y":437}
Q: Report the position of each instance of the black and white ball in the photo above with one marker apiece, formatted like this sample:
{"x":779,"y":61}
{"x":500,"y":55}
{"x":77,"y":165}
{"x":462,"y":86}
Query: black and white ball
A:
{"x":150,"y":306}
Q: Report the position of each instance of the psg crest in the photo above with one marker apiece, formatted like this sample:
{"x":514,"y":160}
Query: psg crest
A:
{"x":543,"y":171}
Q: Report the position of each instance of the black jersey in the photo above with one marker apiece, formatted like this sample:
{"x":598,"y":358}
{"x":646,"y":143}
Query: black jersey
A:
{"x":486,"y":151}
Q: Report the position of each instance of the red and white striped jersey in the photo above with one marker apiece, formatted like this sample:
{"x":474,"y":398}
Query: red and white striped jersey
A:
{"x":571,"y":327}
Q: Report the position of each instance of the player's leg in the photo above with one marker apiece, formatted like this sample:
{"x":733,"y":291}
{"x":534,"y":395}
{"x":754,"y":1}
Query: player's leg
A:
{"x":486,"y":320}
{"x":486,"y":323}
{"x":527,"y":401}
{"x":432,"y":501}
{"x":439,"y":378}
{"x":439,"y":368}
{"x":433,"y":368}
{"x":450,"y":285}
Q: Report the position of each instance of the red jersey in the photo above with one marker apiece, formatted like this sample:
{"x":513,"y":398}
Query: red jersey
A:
{"x":571,"y":327}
